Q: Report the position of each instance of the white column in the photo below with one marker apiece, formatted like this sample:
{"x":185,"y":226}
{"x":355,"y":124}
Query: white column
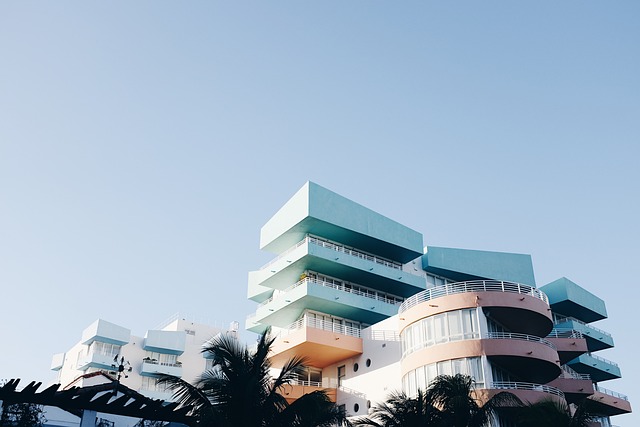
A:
{"x":88,"y":418}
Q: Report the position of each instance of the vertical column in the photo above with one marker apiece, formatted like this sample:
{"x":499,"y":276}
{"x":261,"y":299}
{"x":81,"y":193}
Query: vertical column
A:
{"x":88,"y":418}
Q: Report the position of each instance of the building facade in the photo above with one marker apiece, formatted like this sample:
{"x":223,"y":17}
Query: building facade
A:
{"x":173,"y":348}
{"x":374,"y":311}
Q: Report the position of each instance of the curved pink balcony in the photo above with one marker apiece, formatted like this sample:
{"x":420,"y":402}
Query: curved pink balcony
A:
{"x":520,"y":308}
{"x":528,"y":357}
{"x":526,"y":392}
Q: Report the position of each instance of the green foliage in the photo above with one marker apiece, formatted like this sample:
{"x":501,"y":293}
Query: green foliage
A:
{"x":238,"y":391}
{"x":557,"y":414}
{"x":448,"y":402}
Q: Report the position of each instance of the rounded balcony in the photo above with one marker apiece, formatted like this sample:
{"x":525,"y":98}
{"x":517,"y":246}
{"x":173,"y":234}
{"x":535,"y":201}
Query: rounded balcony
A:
{"x":526,"y":392}
{"x":520,"y":308}
{"x":529,"y":358}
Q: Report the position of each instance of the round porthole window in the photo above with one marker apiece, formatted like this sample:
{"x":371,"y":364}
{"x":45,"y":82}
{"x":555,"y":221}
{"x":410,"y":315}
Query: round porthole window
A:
{"x":355,"y":367}
{"x":368,"y":404}
{"x":356,"y":407}
{"x":368,"y":362}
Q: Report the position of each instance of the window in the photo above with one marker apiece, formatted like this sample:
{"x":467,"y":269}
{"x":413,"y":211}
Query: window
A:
{"x":355,"y":367}
{"x":421,"y":377}
{"x":341,"y":374}
{"x":440,"y":328}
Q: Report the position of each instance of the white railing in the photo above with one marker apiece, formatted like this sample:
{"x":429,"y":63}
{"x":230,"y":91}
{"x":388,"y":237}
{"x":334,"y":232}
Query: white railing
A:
{"x":564,"y":333}
{"x":602,"y":359}
{"x":325,"y":325}
{"x":285,"y":253}
{"x":155,"y":362}
{"x":472,"y":286}
{"x":567,"y":372}
{"x":522,"y":337}
{"x":381,"y":335}
{"x":354,"y":252}
{"x":508,"y":385}
{"x":352,"y":392}
{"x":561,"y":319}
{"x":611,"y":392}
{"x":336,"y":247}
{"x":340,"y":287}
{"x":306,"y":383}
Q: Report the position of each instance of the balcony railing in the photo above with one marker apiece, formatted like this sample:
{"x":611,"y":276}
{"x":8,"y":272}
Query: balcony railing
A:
{"x":522,"y":337}
{"x":611,"y":392}
{"x":602,"y":359}
{"x":339,"y":248}
{"x":472,"y":286}
{"x":569,"y":373}
{"x":306,"y":383}
{"x":508,"y":385}
{"x":340,"y":287}
{"x":325,"y":325}
{"x":155,"y":362}
{"x":565,"y":333}
{"x":557,"y":320}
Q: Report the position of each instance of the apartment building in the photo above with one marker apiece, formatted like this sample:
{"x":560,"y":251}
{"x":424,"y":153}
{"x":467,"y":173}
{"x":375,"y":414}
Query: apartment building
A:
{"x":173,"y":348}
{"x":373,"y":310}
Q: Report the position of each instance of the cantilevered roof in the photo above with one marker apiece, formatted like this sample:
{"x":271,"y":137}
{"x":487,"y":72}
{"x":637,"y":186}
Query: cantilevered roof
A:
{"x":321,"y":212}
{"x":570,"y":299}
{"x":466,"y":264}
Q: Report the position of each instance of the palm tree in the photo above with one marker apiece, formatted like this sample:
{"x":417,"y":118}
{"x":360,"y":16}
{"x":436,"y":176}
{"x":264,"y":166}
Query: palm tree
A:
{"x":453,"y":396}
{"x":238,"y":391}
{"x":399,"y":410}
{"x":555,"y":413}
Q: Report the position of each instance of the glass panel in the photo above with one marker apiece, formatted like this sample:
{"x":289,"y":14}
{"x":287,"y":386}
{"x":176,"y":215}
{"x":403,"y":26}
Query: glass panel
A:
{"x":455,"y":325}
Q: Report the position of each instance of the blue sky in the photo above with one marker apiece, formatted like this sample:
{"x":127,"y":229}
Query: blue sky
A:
{"x":143,"y":145}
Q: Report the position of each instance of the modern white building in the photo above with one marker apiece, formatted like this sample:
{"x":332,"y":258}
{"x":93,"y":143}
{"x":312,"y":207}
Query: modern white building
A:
{"x":174,"y":348}
{"x":374,"y":310}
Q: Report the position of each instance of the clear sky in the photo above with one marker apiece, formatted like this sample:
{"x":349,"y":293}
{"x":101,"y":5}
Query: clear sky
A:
{"x":144,"y":143}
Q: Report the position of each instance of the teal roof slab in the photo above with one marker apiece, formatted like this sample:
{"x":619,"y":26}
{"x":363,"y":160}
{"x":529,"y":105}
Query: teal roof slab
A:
{"x":318,"y":211}
{"x":467,"y":264}
{"x":570,"y":299}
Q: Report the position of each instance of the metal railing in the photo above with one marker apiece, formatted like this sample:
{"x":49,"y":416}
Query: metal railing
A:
{"x":564,"y":333}
{"x":155,"y":362}
{"x":336,"y":247}
{"x":602,"y":359}
{"x":567,"y":372}
{"x":381,"y":335}
{"x":522,"y":337}
{"x":325,"y":325}
{"x":472,"y":286}
{"x":561,"y":319}
{"x":306,"y":383}
{"x":340,"y":287}
{"x":610,"y":392}
{"x":508,"y":385}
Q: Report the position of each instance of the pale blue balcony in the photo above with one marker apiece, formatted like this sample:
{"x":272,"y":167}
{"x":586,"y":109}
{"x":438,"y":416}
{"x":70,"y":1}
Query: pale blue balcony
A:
{"x":597,"y":339}
{"x":168,"y":342}
{"x":331,"y":259}
{"x":97,"y":360}
{"x":106,"y":332}
{"x":599,"y":368}
{"x":350,"y":302}
{"x":571,"y":300}
{"x":319,"y":211}
{"x":57,"y":361}
{"x":151,"y":368}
